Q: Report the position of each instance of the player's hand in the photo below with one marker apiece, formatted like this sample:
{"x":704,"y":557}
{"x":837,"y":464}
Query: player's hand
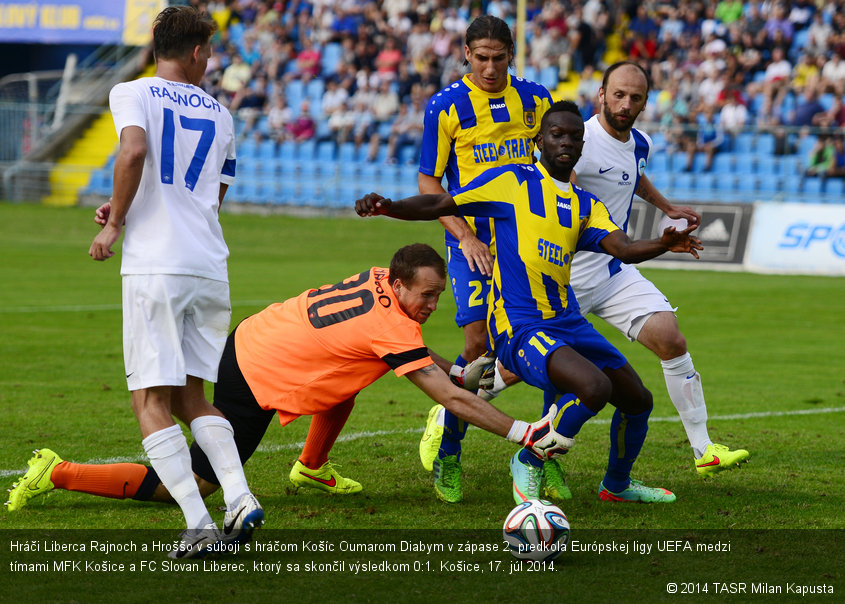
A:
{"x":101,"y":247}
{"x":372,"y":204}
{"x":681,"y":241}
{"x":478,"y":374}
{"x":542,"y":440}
{"x":101,"y":214}
{"x":692,"y":217}
{"x":478,"y":255}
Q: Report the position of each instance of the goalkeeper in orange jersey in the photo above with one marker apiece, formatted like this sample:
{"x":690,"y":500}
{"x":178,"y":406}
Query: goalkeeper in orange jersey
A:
{"x":311,"y":355}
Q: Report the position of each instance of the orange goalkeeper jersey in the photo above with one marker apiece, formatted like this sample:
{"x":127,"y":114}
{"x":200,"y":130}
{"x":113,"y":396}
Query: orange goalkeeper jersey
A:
{"x":312,"y":352}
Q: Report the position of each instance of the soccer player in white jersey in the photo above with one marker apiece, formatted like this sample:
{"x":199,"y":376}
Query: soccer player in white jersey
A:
{"x":175,"y":162}
{"x":612,"y":167}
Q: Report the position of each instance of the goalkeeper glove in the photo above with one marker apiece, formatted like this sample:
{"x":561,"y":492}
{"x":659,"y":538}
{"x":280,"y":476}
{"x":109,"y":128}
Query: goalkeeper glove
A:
{"x":478,"y":374}
{"x":540,"y":437}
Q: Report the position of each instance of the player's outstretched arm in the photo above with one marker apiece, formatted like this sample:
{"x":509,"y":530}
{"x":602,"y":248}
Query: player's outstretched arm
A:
{"x":540,"y":437}
{"x":619,"y":245}
{"x":418,"y":207}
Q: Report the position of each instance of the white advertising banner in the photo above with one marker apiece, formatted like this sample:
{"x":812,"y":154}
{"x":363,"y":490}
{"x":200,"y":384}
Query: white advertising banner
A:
{"x":797,"y":238}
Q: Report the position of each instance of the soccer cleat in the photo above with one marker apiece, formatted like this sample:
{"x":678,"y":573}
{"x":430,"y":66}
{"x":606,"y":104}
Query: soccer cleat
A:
{"x":195,"y":543}
{"x":637,"y":491}
{"x":35,"y":481}
{"x":324,"y":478}
{"x":717,"y":458}
{"x":431,"y":438}
{"x":527,"y":480}
{"x":447,"y":479}
{"x":554,"y":482}
{"x":241,"y":520}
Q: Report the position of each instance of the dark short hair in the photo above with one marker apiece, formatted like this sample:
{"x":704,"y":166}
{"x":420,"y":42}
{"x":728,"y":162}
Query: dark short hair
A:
{"x":558,"y":107}
{"x":616,"y":66}
{"x":409,"y":259}
{"x":177,"y":30}
{"x":488,"y":27}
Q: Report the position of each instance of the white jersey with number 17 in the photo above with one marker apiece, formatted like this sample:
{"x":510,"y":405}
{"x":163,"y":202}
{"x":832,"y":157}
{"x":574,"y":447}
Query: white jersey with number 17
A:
{"x":172,"y":226}
{"x":610,"y":170}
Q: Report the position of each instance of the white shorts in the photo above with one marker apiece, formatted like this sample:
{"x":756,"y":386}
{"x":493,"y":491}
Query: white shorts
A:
{"x":626,"y":301}
{"x":173,"y":326}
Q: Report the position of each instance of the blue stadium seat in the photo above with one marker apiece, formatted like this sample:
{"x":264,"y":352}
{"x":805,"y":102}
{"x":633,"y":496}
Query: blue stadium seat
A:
{"x":805,"y":145}
{"x":287,"y":150}
{"x":530,"y":73}
{"x":723,"y":163}
{"x":330,"y":57}
{"x":306,"y":149}
{"x":266,"y":149}
{"x":658,"y":162}
{"x":549,"y":77}
{"x":294,"y":93}
{"x":744,"y":142}
{"x":765,"y":143}
{"x":812,"y":186}
{"x":314,"y":91}
{"x":766,"y":165}
{"x":325,"y":151}
{"x":834,"y":189}
{"x":726,"y":183}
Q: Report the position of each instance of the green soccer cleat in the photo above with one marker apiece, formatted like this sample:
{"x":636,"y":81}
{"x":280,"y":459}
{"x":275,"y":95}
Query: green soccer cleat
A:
{"x":35,"y":481}
{"x":447,"y":479}
{"x":431,"y":438}
{"x":717,"y":458}
{"x":554,"y":482}
{"x":526,"y":480}
{"x":324,"y":478}
{"x":637,"y":492}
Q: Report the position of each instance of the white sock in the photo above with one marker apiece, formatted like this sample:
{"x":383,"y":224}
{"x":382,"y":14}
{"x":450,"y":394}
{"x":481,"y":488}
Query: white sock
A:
{"x":169,"y":457}
{"x":215,"y":436}
{"x":684,"y":385}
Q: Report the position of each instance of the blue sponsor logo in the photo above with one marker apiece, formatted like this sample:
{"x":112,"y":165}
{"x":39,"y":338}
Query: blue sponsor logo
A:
{"x":803,"y":235}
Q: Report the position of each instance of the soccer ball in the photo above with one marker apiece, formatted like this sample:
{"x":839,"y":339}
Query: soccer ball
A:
{"x":536,"y":530}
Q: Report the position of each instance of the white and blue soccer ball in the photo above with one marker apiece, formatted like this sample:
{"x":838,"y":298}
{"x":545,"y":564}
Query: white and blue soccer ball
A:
{"x":536,"y":530}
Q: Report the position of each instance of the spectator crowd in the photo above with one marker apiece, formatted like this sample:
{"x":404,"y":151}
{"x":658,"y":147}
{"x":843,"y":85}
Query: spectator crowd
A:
{"x":362,"y":71}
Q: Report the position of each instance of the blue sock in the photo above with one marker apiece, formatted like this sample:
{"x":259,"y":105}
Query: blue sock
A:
{"x":454,"y":428}
{"x":627,"y":435}
{"x":572,"y":413}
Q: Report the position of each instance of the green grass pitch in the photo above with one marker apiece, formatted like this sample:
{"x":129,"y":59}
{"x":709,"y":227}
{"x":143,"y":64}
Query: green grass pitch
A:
{"x":769,"y":348}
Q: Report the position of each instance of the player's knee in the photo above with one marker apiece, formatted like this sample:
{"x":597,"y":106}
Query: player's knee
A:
{"x":641,"y":401}
{"x":596,"y":393}
{"x":674,"y":345}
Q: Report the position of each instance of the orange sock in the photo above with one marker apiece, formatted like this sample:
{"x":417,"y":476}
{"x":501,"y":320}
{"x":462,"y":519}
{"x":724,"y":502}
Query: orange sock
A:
{"x":324,"y":430}
{"x":115,"y":480}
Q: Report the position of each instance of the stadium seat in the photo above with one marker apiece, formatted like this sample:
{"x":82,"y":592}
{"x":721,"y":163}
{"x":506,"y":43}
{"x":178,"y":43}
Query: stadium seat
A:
{"x":314,"y":91}
{"x":549,"y":77}
{"x":724,"y":163}
{"x":765,"y":143}
{"x":834,"y":189}
{"x":658,"y":162}
{"x":266,"y":149}
{"x":330,"y":58}
{"x":813,"y":185}
{"x":530,"y":73}
{"x":306,"y":150}
{"x":325,"y":151}
{"x":744,"y":142}
{"x":287,"y":150}
{"x":766,"y":165}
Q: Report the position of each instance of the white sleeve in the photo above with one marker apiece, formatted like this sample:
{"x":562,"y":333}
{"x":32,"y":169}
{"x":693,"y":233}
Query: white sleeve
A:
{"x":127,"y":108}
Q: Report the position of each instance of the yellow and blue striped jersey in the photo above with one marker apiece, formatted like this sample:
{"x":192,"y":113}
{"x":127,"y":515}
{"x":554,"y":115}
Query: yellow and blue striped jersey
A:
{"x":467,"y":130}
{"x":539,"y":227}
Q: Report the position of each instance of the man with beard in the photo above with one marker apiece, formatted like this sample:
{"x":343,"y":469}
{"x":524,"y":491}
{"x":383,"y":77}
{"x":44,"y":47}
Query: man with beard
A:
{"x":612,"y":167}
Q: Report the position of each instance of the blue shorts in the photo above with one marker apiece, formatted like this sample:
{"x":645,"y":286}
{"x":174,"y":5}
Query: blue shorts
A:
{"x":470,"y":288}
{"x":527,"y":352}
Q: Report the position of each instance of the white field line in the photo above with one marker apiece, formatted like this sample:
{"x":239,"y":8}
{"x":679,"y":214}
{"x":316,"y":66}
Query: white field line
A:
{"x":370,"y":434}
{"x":103,"y":307}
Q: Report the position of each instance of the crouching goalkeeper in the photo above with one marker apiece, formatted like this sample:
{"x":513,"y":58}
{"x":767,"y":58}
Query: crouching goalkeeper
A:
{"x":311,"y":355}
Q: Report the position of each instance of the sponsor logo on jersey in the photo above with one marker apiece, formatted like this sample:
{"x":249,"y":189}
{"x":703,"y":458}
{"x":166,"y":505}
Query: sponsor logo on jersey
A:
{"x":499,"y":111}
{"x":552,"y":253}
{"x":510,"y":149}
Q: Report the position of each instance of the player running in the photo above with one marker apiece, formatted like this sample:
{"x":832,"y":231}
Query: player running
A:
{"x":175,"y":163}
{"x":534,"y":322}
{"x":612,"y":167}
{"x":485,"y":119}
{"x":311,"y":355}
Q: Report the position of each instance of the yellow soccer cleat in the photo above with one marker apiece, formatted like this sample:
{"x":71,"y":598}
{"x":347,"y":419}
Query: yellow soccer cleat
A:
{"x":555,"y":488}
{"x":35,"y":481}
{"x":324,"y":478}
{"x":717,"y":458}
{"x":431,"y":438}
